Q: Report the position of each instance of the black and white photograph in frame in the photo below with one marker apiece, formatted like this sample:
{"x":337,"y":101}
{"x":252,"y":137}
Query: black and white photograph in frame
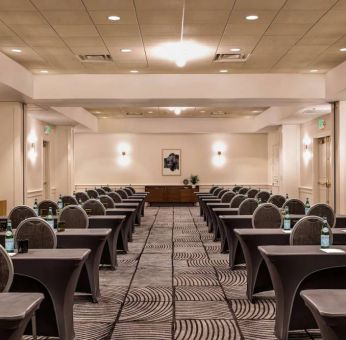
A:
{"x":171,"y":162}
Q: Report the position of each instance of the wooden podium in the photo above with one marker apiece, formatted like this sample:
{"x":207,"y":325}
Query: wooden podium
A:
{"x":171,"y":194}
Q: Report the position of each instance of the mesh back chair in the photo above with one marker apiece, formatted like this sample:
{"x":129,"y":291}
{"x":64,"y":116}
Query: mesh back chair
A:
{"x":74,"y":217}
{"x":107,"y":201}
{"x":212,"y":190}
{"x":122,"y":193}
{"x":100,"y":191}
{"x":263,"y":195}
{"x":307,"y":231}
{"x":92,"y":193}
{"x":115,"y":197}
{"x":236,"y":200}
{"x":43,"y":207}
{"x":277,"y":200}
{"x":128,"y":191}
{"x":243,"y":191}
{"x":227,"y":197}
{"x":82,"y":196}
{"x":216,"y":191}
{"x":106,"y":188}
{"x":236,"y":188}
{"x":131,"y":189}
{"x":295,"y":206}
{"x":19,"y":214}
{"x":69,"y":200}
{"x":6,"y":270}
{"x":247,"y":207}
{"x":94,"y":207}
{"x":267,"y":215}
{"x":252,"y":193}
{"x":38,"y":232}
{"x":323,"y":210}
{"x":221,"y":192}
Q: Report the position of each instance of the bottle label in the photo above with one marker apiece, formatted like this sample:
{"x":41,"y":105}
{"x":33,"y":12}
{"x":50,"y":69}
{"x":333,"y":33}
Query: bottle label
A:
{"x":287,"y":224}
{"x":324,"y":241}
{"x":51,"y":223}
{"x":306,"y":210}
{"x":9,"y":245}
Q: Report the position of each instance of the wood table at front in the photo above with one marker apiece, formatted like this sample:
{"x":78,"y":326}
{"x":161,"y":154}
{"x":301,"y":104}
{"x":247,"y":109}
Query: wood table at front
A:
{"x":258,"y":279}
{"x":296,"y":268}
{"x":93,"y":239}
{"x":55,"y":273}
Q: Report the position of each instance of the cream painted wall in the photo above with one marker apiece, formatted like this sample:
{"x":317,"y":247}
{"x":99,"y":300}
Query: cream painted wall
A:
{"x":11,"y":153}
{"x":96,"y":158}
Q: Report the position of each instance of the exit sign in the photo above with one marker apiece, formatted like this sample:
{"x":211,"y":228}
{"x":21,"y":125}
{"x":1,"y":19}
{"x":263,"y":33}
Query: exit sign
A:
{"x":321,"y":124}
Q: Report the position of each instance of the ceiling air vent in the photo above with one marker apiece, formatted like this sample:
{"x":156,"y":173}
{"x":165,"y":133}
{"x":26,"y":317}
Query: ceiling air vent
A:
{"x":230,"y":57}
{"x":95,"y":58}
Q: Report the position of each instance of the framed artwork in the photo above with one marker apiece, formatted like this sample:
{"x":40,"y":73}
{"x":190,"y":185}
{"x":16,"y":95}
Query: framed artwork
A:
{"x":171,"y":162}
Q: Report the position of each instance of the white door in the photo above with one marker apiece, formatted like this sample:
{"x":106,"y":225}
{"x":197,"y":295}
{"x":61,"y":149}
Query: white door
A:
{"x":45,"y":170}
{"x":275,"y":169}
{"x":324,"y":170}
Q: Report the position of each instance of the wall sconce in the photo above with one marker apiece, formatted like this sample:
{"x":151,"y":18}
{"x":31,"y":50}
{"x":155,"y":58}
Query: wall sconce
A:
{"x":32,"y":153}
{"x":307,"y":154}
{"x":124,"y":158}
{"x":219,"y":159}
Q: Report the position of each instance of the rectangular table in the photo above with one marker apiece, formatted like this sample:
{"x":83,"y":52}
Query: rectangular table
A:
{"x":133,"y":205}
{"x":230,"y":223}
{"x":220,"y":232}
{"x":258,"y":278}
{"x":55,"y":273}
{"x":295,"y":268}
{"x":109,"y":255}
{"x":93,"y":239}
{"x":127,"y":226}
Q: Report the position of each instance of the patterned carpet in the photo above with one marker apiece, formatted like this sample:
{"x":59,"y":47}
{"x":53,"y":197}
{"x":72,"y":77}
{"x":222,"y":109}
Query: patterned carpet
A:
{"x":174,"y":284}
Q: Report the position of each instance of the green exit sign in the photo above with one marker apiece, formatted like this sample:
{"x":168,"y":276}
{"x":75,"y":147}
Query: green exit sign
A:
{"x":321,"y":124}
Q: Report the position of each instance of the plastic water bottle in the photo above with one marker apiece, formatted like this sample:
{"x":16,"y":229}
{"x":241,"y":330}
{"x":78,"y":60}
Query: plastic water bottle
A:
{"x":287,"y":220}
{"x":325,"y":238}
{"x":307,"y":206}
{"x":9,"y":239}
{"x":50,"y":219}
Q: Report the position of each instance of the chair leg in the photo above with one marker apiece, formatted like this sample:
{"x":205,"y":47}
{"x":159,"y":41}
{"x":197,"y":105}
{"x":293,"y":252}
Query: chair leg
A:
{"x":33,"y":325}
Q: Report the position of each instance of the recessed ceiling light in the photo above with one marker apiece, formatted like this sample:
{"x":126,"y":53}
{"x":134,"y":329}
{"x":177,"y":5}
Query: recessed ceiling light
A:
{"x":255,"y":111}
{"x":223,"y":71}
{"x":150,"y":111}
{"x":16,"y":50}
{"x":44,"y":71}
{"x":235,"y":49}
{"x":133,"y":71}
{"x":251,"y":17}
{"x":313,"y":71}
{"x":202,"y":111}
{"x":97,"y":112}
{"x":343,"y":49}
{"x":113,"y":18}
{"x":126,"y":50}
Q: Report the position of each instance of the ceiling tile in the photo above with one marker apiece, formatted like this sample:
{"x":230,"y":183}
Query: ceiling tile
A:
{"x":264,"y":17}
{"x":335,"y":17}
{"x":245,"y":29}
{"x":156,"y":5}
{"x":321,"y":39}
{"x":287,"y":29}
{"x":251,"y":5}
{"x":298,"y":16}
{"x":13,"y":41}
{"x":341,"y":5}
{"x":207,"y":4}
{"x":119,"y":30}
{"x":84,"y":41}
{"x":206,"y":16}
{"x":157,"y":40}
{"x":309,"y":4}
{"x":54,"y":5}
{"x":126,"y":17}
{"x":67,"y":17}
{"x":16,"y":5}
{"x":30,"y":31}
{"x":5,"y":30}
{"x":82,"y":50}
{"x":159,"y":17}
{"x":202,"y":29}
{"x":328,"y":29}
{"x":44,"y":41}
{"x":76,"y":30}
{"x":160,"y":30}
{"x":21,"y":17}
{"x":123,"y":42}
{"x":104,"y":5}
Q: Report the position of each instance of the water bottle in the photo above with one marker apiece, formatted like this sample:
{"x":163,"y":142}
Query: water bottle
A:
{"x":259,"y":201}
{"x":35,"y":207}
{"x":307,"y":206}
{"x":325,"y":238}
{"x":9,"y":239}
{"x":50,"y":219}
{"x":286,"y":196}
{"x":60,"y":202}
{"x":287,"y":220}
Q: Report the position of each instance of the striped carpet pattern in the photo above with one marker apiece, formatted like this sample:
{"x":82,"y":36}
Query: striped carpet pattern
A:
{"x":174,"y":284}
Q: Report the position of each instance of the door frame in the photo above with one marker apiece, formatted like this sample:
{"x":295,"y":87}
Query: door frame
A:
{"x":46,"y":189}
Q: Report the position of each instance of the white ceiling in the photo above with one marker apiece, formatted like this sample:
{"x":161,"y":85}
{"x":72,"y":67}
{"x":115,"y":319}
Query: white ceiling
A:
{"x":289,"y":36}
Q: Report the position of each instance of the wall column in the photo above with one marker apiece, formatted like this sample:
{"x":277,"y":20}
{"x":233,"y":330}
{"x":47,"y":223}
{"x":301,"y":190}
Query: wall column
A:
{"x":290,"y":160}
{"x":64,"y":160}
{"x":11,"y":153}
